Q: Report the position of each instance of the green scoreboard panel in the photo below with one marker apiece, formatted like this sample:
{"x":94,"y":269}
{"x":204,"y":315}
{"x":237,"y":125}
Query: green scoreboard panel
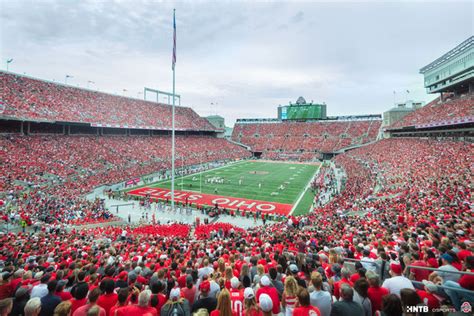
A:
{"x":302,"y":112}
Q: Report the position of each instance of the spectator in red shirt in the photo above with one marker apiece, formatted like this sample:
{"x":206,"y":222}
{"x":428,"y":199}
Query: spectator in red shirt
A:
{"x":79,"y":297}
{"x":265,"y":288}
{"x":418,"y":274}
{"x":236,"y":297}
{"x":93,"y":297}
{"x":6,"y":289}
{"x":224,"y":305}
{"x":109,"y":298}
{"x":189,"y":291}
{"x":427,"y":296}
{"x":345,"y":274}
{"x":375,"y":292}
{"x":142,"y":308}
{"x":304,"y":306}
{"x":122,"y":298}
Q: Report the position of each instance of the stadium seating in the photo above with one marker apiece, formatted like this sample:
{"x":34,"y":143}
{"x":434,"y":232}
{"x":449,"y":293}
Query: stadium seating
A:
{"x":455,"y":110}
{"x":304,"y":139}
{"x":27,"y":98}
{"x":416,"y":211}
{"x":54,"y":171}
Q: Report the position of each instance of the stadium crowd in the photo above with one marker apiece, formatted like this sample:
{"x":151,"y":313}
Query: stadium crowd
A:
{"x":28,"y":98}
{"x":44,"y":177}
{"x":438,"y":112}
{"x":392,"y":213}
{"x":304,"y":139}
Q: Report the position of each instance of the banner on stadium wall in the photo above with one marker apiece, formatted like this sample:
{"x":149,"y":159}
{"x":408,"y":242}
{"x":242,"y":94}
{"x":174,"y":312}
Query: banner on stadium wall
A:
{"x":227,"y":202}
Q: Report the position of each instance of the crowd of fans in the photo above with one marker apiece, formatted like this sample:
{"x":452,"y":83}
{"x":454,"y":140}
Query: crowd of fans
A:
{"x":406,"y":202}
{"x":304,"y":139}
{"x":44,"y":177}
{"x":28,"y":98}
{"x":453,"y":109}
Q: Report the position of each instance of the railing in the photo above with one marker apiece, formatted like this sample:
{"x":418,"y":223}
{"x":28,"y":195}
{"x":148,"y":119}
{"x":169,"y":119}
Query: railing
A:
{"x":383,"y":264}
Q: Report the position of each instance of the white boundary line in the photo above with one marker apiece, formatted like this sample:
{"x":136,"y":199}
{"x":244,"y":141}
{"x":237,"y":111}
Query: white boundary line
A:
{"x":305,"y":189}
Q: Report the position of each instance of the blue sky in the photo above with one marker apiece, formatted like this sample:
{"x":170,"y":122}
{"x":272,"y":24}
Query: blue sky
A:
{"x":246,"y":57}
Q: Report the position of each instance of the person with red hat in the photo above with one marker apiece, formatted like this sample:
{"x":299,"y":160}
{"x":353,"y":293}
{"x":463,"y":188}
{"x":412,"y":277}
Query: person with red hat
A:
{"x":397,"y":280}
{"x":205,"y":300}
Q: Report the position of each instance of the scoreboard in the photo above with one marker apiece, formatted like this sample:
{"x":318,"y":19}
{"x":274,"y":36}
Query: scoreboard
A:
{"x":302,"y":112}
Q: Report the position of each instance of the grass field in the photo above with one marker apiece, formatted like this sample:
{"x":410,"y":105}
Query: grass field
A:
{"x":271,"y":175}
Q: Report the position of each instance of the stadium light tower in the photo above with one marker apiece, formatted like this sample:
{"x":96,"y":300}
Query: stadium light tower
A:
{"x":138,"y":94}
{"x":66,"y":78}
{"x":89,"y":82}
{"x":9,"y":61}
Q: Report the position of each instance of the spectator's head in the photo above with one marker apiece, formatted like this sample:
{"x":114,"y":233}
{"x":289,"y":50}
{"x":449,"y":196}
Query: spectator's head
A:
{"x":94,"y":295}
{"x":373,"y":279}
{"x":80,"y":291}
{"x":446,"y":259}
{"x":107,"y":285}
{"x":409,"y":297}
{"x":392,"y":305}
{"x":347,"y":293}
{"x":224,"y":303}
{"x":122,"y":296}
{"x":52,"y":286}
{"x":361,"y":286}
{"x":303,"y":297}
{"x":316,"y":280}
{"x":205,"y":287}
{"x":63,"y":309}
{"x":395,"y":269}
{"x":175,"y":294}
{"x":469,"y":262}
{"x":234,"y":283}
{"x":273,"y":273}
{"x":291,"y":286}
{"x":345,"y":273}
{"x":6,"y":306}
{"x":33,"y":307}
{"x":144,"y":298}
{"x":265,"y":281}
{"x":266,"y":304}
{"x":246,"y":282}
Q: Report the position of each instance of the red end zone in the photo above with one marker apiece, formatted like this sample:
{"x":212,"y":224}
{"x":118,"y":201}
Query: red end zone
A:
{"x":209,"y":199}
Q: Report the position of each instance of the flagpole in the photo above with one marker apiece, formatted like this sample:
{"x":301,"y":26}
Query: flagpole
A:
{"x":172,"y":115}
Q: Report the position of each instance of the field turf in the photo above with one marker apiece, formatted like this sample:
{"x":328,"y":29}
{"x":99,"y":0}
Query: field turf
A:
{"x":271,"y":175}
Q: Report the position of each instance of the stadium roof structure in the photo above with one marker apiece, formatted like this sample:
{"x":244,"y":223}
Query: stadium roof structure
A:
{"x":453,"y":71}
{"x":449,"y":55}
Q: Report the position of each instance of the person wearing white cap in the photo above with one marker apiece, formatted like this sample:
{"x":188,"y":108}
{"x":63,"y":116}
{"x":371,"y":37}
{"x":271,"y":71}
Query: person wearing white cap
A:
{"x":250,"y":303}
{"x":265,"y":288}
{"x":176,"y":305}
{"x":236,"y":297}
{"x":266,"y":304}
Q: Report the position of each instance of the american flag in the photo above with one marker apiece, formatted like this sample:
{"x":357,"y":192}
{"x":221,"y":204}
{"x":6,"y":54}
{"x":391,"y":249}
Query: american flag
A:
{"x":174,"y":39}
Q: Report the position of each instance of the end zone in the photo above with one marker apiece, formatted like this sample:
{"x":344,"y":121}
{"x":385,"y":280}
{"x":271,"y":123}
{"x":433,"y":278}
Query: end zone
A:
{"x":227,"y":202}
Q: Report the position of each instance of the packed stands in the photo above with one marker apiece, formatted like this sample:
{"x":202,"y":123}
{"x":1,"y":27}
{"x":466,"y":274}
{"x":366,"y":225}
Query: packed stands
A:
{"x":453,"y":111}
{"x":45,"y":176}
{"x":26,"y":98}
{"x":416,"y":212}
{"x":304,"y":138}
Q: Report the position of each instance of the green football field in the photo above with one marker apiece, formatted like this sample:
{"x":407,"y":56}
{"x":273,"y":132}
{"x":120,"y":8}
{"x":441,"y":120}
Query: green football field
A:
{"x":265,"y":181}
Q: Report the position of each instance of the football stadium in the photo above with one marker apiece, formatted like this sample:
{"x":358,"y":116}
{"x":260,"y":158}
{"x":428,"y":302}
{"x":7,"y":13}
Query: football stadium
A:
{"x":225,"y":190}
